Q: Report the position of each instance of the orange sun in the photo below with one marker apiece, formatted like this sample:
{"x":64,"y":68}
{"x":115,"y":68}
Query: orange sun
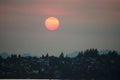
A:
{"x":52,"y":23}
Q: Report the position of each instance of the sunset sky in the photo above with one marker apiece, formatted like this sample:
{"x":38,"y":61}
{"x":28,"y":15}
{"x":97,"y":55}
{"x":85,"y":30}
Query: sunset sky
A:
{"x":83,"y":24}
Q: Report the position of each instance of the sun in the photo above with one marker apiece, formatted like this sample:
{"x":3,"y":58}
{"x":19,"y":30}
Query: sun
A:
{"x":52,"y":23}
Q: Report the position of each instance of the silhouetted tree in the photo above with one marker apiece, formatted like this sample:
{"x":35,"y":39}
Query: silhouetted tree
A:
{"x":43,"y":56}
{"x":80,"y":54}
{"x":47,"y":56}
{"x":112,"y":53}
{"x":14,"y":56}
{"x":91,"y":53}
{"x":19,"y":56}
{"x":61,"y":56}
{"x":0,"y":57}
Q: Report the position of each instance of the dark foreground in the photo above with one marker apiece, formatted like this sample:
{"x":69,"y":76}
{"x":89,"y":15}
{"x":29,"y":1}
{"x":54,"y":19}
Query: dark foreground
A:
{"x":88,"y":65}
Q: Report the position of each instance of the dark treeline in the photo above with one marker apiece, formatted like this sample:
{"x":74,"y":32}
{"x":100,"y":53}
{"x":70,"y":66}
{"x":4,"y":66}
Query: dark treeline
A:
{"x":87,"y":65}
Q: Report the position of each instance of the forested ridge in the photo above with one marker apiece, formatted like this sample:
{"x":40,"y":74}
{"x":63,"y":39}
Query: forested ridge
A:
{"x":87,"y":65}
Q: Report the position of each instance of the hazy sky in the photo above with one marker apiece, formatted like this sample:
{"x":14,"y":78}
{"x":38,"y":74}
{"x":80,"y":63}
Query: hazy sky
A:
{"x":83,"y":24}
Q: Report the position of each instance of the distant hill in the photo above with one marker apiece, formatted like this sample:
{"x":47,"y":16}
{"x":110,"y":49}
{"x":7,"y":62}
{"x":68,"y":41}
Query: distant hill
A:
{"x":4,"y":55}
{"x":26,"y":55}
{"x":106,"y":51}
{"x":103,"y":51}
{"x":75,"y":53}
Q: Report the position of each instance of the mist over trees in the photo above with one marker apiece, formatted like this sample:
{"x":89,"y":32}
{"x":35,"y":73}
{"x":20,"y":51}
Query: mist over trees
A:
{"x":87,"y":65}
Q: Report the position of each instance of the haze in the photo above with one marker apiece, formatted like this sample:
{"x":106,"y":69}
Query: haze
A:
{"x":83,"y":24}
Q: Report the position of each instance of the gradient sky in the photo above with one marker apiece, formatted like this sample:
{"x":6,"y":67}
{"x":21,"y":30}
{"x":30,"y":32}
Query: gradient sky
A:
{"x":83,"y":24}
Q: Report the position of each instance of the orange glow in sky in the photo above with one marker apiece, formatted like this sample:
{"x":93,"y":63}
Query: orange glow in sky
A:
{"x":52,"y":23}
